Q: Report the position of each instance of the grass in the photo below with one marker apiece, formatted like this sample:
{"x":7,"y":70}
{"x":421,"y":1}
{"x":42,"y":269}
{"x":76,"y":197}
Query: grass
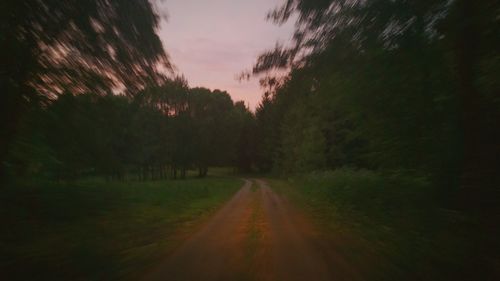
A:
{"x":387,"y":225}
{"x":98,"y":230}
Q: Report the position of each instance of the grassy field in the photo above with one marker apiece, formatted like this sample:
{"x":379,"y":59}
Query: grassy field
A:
{"x":387,"y":226}
{"x":98,"y":230}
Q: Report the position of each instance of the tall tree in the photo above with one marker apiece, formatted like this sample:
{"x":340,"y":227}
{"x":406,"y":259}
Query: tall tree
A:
{"x":397,"y":71}
{"x":49,"y":46}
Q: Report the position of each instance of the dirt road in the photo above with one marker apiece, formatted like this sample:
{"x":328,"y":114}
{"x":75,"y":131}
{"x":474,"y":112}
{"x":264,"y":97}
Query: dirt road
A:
{"x":257,"y":235}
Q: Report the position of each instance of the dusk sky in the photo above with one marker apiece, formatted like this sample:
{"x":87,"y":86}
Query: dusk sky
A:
{"x":211,"y":42}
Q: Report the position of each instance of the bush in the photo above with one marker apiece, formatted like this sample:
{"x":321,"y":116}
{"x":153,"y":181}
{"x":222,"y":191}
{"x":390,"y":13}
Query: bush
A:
{"x":369,"y":192}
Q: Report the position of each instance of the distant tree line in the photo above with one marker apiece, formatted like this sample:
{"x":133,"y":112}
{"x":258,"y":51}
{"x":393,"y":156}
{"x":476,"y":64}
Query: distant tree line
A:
{"x":162,"y":131}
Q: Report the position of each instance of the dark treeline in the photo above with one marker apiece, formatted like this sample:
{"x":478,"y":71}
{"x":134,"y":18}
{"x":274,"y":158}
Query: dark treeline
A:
{"x":389,"y":85}
{"x":61,"y":62}
{"x":157,"y":133}
{"x":398,"y":85}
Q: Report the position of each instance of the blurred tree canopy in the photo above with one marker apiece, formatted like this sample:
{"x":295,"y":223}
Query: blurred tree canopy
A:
{"x":48,"y":47}
{"x":386,"y":85}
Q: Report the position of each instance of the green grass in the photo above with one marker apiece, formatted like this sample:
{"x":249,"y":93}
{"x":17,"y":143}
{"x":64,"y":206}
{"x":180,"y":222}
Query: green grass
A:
{"x":387,"y":225}
{"x":98,"y":230}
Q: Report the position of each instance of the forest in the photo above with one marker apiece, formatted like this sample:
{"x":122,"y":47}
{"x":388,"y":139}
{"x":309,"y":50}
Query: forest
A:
{"x":376,"y":85}
{"x":385,"y":85}
{"x":395,"y":102}
{"x":158,"y":133}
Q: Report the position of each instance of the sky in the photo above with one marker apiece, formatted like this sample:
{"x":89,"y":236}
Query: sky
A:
{"x":212,"y":41}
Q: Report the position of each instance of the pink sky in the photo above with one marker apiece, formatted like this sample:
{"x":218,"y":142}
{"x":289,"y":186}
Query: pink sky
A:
{"x":212,"y":41}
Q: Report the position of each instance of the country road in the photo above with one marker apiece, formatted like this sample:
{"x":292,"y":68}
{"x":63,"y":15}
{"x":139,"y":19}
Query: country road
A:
{"x":256,"y":235}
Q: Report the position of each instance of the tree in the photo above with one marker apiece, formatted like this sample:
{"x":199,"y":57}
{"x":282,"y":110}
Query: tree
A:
{"x":48,"y":47}
{"x":242,"y":134}
{"x":391,"y":75}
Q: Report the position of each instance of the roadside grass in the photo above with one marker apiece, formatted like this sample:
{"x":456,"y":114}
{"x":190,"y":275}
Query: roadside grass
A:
{"x":386,"y":225}
{"x":97,"y":230}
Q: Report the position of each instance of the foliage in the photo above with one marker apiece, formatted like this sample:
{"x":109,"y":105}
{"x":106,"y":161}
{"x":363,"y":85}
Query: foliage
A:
{"x":161,"y":130}
{"x":380,"y":84}
{"x":50,"y":47}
